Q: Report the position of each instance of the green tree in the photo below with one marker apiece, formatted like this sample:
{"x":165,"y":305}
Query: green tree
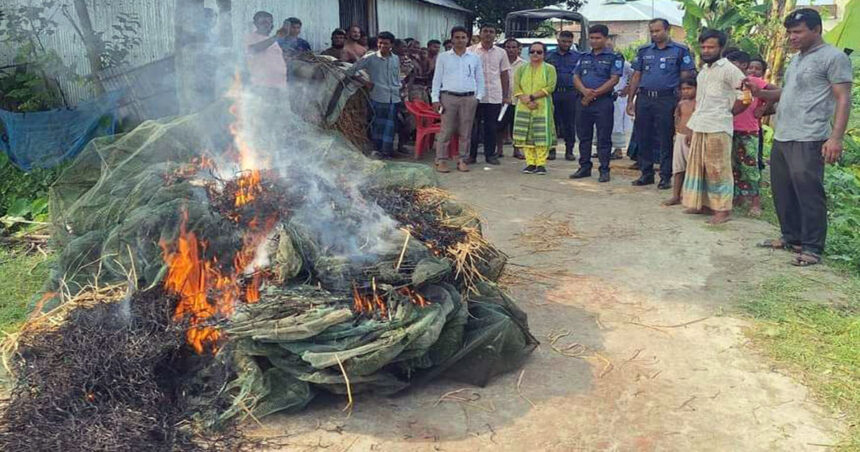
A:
{"x":742,"y":20}
{"x":494,"y":11}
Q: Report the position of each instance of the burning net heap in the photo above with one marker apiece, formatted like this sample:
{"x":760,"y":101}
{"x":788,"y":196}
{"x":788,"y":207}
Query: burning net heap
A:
{"x":304,"y":267}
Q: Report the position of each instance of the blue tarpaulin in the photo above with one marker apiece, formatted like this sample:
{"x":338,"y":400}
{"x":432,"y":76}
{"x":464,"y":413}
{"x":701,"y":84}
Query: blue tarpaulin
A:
{"x":46,"y":138}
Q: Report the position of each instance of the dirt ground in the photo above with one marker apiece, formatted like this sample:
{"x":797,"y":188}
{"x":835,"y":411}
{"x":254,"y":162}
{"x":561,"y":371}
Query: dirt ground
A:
{"x":641,"y":345}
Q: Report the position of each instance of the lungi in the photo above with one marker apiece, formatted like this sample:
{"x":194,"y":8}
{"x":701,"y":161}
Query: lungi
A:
{"x":708,"y":181}
{"x":384,"y":126}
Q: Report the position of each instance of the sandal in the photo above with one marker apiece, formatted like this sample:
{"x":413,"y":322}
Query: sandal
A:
{"x":806,"y":259}
{"x":779,"y":244}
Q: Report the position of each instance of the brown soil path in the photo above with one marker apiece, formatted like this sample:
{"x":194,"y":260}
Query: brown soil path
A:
{"x":650,"y":355}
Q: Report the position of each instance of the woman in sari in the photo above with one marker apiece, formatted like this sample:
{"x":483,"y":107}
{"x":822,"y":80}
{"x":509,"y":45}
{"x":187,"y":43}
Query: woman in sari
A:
{"x":534,"y":130}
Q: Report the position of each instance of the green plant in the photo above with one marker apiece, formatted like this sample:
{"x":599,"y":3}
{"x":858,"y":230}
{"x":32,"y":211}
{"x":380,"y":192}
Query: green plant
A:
{"x":742,"y":20}
{"x":24,"y":196}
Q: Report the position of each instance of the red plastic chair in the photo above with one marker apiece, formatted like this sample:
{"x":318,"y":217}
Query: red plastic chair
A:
{"x":428,"y":123}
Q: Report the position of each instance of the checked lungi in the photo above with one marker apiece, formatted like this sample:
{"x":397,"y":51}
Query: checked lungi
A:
{"x":708,"y":181}
{"x":384,"y":126}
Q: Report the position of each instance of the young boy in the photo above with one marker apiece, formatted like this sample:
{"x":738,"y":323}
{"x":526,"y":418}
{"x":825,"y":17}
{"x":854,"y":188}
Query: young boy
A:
{"x":745,"y":165}
{"x":683,"y":135}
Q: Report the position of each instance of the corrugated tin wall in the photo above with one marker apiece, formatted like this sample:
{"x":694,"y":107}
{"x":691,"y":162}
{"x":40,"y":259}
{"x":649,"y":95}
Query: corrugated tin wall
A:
{"x":414,"y":19}
{"x":319,"y":17}
{"x":156,"y":17}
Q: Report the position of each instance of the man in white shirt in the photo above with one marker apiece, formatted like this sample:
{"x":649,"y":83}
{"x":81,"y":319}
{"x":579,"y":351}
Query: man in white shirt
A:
{"x":506,"y":126}
{"x":497,"y":77}
{"x":709,"y":183}
{"x":458,"y":86}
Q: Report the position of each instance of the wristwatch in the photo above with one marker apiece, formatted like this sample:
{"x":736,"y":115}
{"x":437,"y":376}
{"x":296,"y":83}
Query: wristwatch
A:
{"x":531,"y":98}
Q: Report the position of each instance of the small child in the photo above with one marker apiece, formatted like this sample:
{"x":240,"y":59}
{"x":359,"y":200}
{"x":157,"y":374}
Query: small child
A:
{"x":683,"y":135}
{"x":745,"y":141}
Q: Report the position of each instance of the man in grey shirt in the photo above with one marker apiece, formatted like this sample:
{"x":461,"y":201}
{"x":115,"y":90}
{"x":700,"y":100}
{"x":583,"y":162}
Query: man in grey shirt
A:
{"x":817,"y":84}
{"x":383,"y":66}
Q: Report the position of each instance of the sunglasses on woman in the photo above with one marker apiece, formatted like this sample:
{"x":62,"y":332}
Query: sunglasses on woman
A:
{"x":535,"y":52}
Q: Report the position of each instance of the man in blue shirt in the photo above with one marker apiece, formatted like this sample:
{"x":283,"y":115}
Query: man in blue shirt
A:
{"x":658,"y":67}
{"x":595,"y":77}
{"x":565,"y":97}
{"x":383,"y":66}
{"x":292,"y":44}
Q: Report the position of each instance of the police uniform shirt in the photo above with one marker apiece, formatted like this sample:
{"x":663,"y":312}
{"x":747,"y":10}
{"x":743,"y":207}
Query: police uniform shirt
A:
{"x":564,"y":64}
{"x":594,"y":70}
{"x":661,"y":68}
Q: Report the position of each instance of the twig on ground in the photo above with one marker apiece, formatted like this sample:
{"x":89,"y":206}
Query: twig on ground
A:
{"x":520,"y":392}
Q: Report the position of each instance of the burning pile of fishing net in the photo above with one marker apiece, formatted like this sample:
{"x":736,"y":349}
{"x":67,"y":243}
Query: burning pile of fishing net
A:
{"x":248,"y":294}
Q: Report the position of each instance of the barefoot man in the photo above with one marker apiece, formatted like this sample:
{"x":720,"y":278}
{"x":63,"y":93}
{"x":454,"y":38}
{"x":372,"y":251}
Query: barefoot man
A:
{"x":708,"y":182}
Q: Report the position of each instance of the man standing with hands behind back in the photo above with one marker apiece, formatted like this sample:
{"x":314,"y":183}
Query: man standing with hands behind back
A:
{"x":817,"y":85}
{"x":595,"y":77}
{"x":565,"y":97}
{"x":458,"y":86}
{"x":658,"y":67}
{"x":497,"y":77}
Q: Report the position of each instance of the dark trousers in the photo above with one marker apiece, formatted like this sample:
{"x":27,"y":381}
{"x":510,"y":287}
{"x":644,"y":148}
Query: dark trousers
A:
{"x":598,"y":113}
{"x":797,"y":181}
{"x":655,"y":127}
{"x":564,"y":114}
{"x":485,"y":126}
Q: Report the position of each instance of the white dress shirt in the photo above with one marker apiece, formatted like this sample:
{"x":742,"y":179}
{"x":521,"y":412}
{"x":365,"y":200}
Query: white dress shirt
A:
{"x":458,"y":74}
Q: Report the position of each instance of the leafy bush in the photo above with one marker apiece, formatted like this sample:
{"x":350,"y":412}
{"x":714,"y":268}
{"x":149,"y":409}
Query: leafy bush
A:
{"x":842,"y":184}
{"x":24,"y":195}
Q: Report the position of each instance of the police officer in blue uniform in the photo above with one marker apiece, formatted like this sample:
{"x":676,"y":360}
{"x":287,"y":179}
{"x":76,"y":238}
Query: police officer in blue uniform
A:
{"x":595,"y":77}
{"x":566,"y":97}
{"x":658,"y":67}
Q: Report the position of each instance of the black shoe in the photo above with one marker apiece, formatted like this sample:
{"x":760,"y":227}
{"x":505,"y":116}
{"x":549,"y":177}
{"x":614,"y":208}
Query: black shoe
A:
{"x":604,"y":177}
{"x":529,"y":169}
{"x":493,"y":161}
{"x":540,"y":171}
{"x":581,"y":173}
{"x":568,"y":155}
{"x":664,"y":184}
{"x":643,"y":180}
{"x":551,"y":155}
{"x":470,"y":160}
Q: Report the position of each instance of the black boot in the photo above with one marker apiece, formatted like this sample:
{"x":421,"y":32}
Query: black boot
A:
{"x":665,"y":184}
{"x":551,"y":155}
{"x":604,"y":176}
{"x":568,"y":155}
{"x":581,"y":173}
{"x":643,"y":180}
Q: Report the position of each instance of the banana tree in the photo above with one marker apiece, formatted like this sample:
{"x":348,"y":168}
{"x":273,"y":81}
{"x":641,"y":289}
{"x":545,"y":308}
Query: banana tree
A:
{"x":846,"y":34}
{"x":742,"y":20}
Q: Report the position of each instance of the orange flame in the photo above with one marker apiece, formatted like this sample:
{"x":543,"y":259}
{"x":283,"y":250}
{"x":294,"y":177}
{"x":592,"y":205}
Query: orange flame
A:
{"x":249,"y":187}
{"x":204,"y":290}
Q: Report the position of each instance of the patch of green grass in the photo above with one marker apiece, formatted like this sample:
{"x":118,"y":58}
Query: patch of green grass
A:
{"x":21,"y":277}
{"x":818,"y":339}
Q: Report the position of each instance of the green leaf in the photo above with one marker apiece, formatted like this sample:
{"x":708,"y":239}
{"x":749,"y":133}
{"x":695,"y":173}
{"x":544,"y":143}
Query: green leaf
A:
{"x":19,"y":207}
{"x":846,"y":34}
{"x":692,"y":7}
{"x":39,"y":206}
